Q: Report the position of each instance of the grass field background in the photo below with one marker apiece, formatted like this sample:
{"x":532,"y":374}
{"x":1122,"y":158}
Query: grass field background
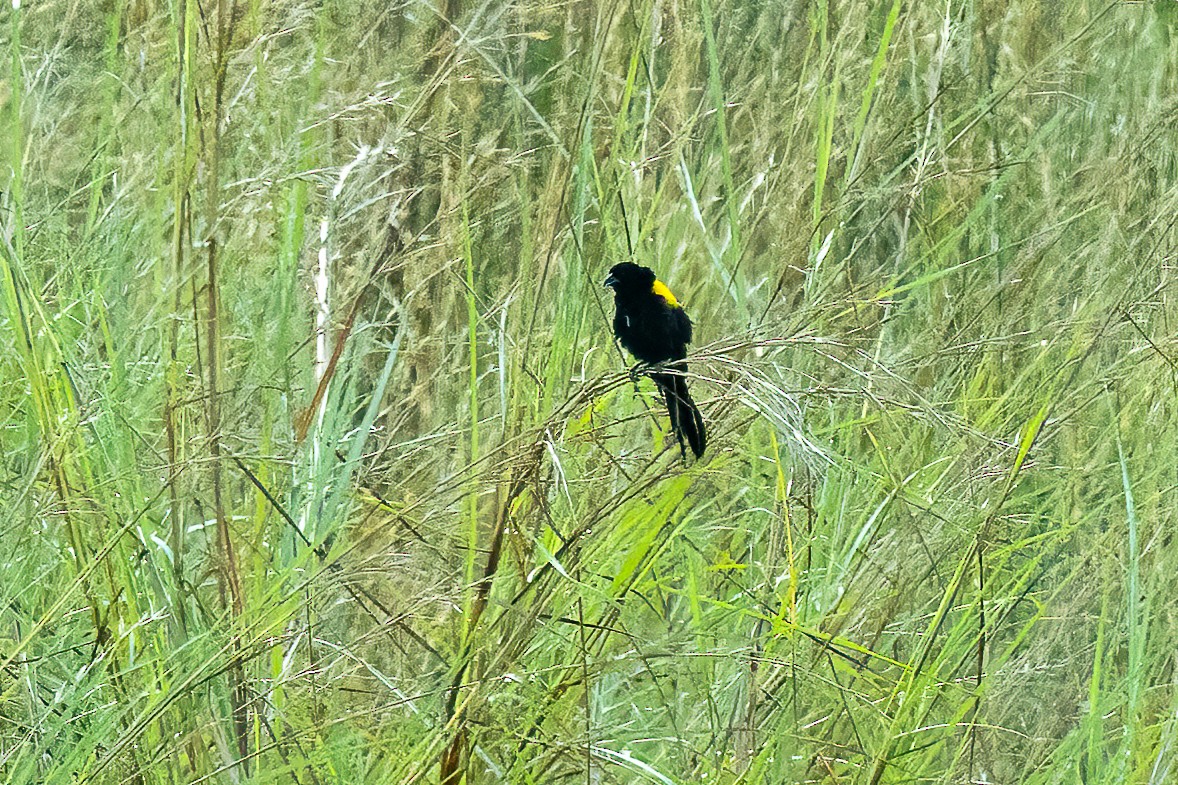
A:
{"x":318,"y":463}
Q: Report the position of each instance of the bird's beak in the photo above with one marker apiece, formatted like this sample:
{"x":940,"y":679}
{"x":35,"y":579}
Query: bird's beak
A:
{"x":610,"y":282}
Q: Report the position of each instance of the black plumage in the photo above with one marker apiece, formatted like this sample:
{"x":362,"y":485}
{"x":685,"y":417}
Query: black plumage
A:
{"x":653,"y":327}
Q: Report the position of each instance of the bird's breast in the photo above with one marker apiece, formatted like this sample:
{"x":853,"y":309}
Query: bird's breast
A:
{"x":649,"y":333}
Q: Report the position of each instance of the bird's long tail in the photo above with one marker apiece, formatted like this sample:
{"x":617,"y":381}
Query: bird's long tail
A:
{"x":686,"y":421}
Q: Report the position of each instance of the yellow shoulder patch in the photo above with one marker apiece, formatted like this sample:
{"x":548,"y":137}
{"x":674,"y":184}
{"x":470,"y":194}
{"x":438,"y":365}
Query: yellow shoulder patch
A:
{"x":661,"y":290}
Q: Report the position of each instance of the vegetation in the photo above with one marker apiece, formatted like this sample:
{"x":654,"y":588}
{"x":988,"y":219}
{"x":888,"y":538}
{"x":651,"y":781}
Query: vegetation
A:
{"x":319,"y":465}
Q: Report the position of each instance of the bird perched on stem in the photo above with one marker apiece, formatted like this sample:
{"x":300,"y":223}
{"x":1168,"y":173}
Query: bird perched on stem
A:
{"x":653,"y":327}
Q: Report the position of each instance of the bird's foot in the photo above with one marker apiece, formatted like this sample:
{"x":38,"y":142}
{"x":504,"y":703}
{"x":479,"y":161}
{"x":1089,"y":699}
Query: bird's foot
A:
{"x":638,"y":370}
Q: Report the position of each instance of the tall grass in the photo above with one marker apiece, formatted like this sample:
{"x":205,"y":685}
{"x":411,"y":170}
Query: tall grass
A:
{"x":319,"y":463}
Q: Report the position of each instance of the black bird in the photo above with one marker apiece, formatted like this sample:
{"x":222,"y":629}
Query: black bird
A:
{"x":653,"y":327}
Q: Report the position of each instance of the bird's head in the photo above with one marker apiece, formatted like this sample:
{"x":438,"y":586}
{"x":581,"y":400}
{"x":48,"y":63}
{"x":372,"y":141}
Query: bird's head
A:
{"x":629,"y":278}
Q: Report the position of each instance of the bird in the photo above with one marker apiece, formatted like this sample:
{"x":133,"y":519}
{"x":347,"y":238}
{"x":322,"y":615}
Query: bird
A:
{"x":652,"y":325}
